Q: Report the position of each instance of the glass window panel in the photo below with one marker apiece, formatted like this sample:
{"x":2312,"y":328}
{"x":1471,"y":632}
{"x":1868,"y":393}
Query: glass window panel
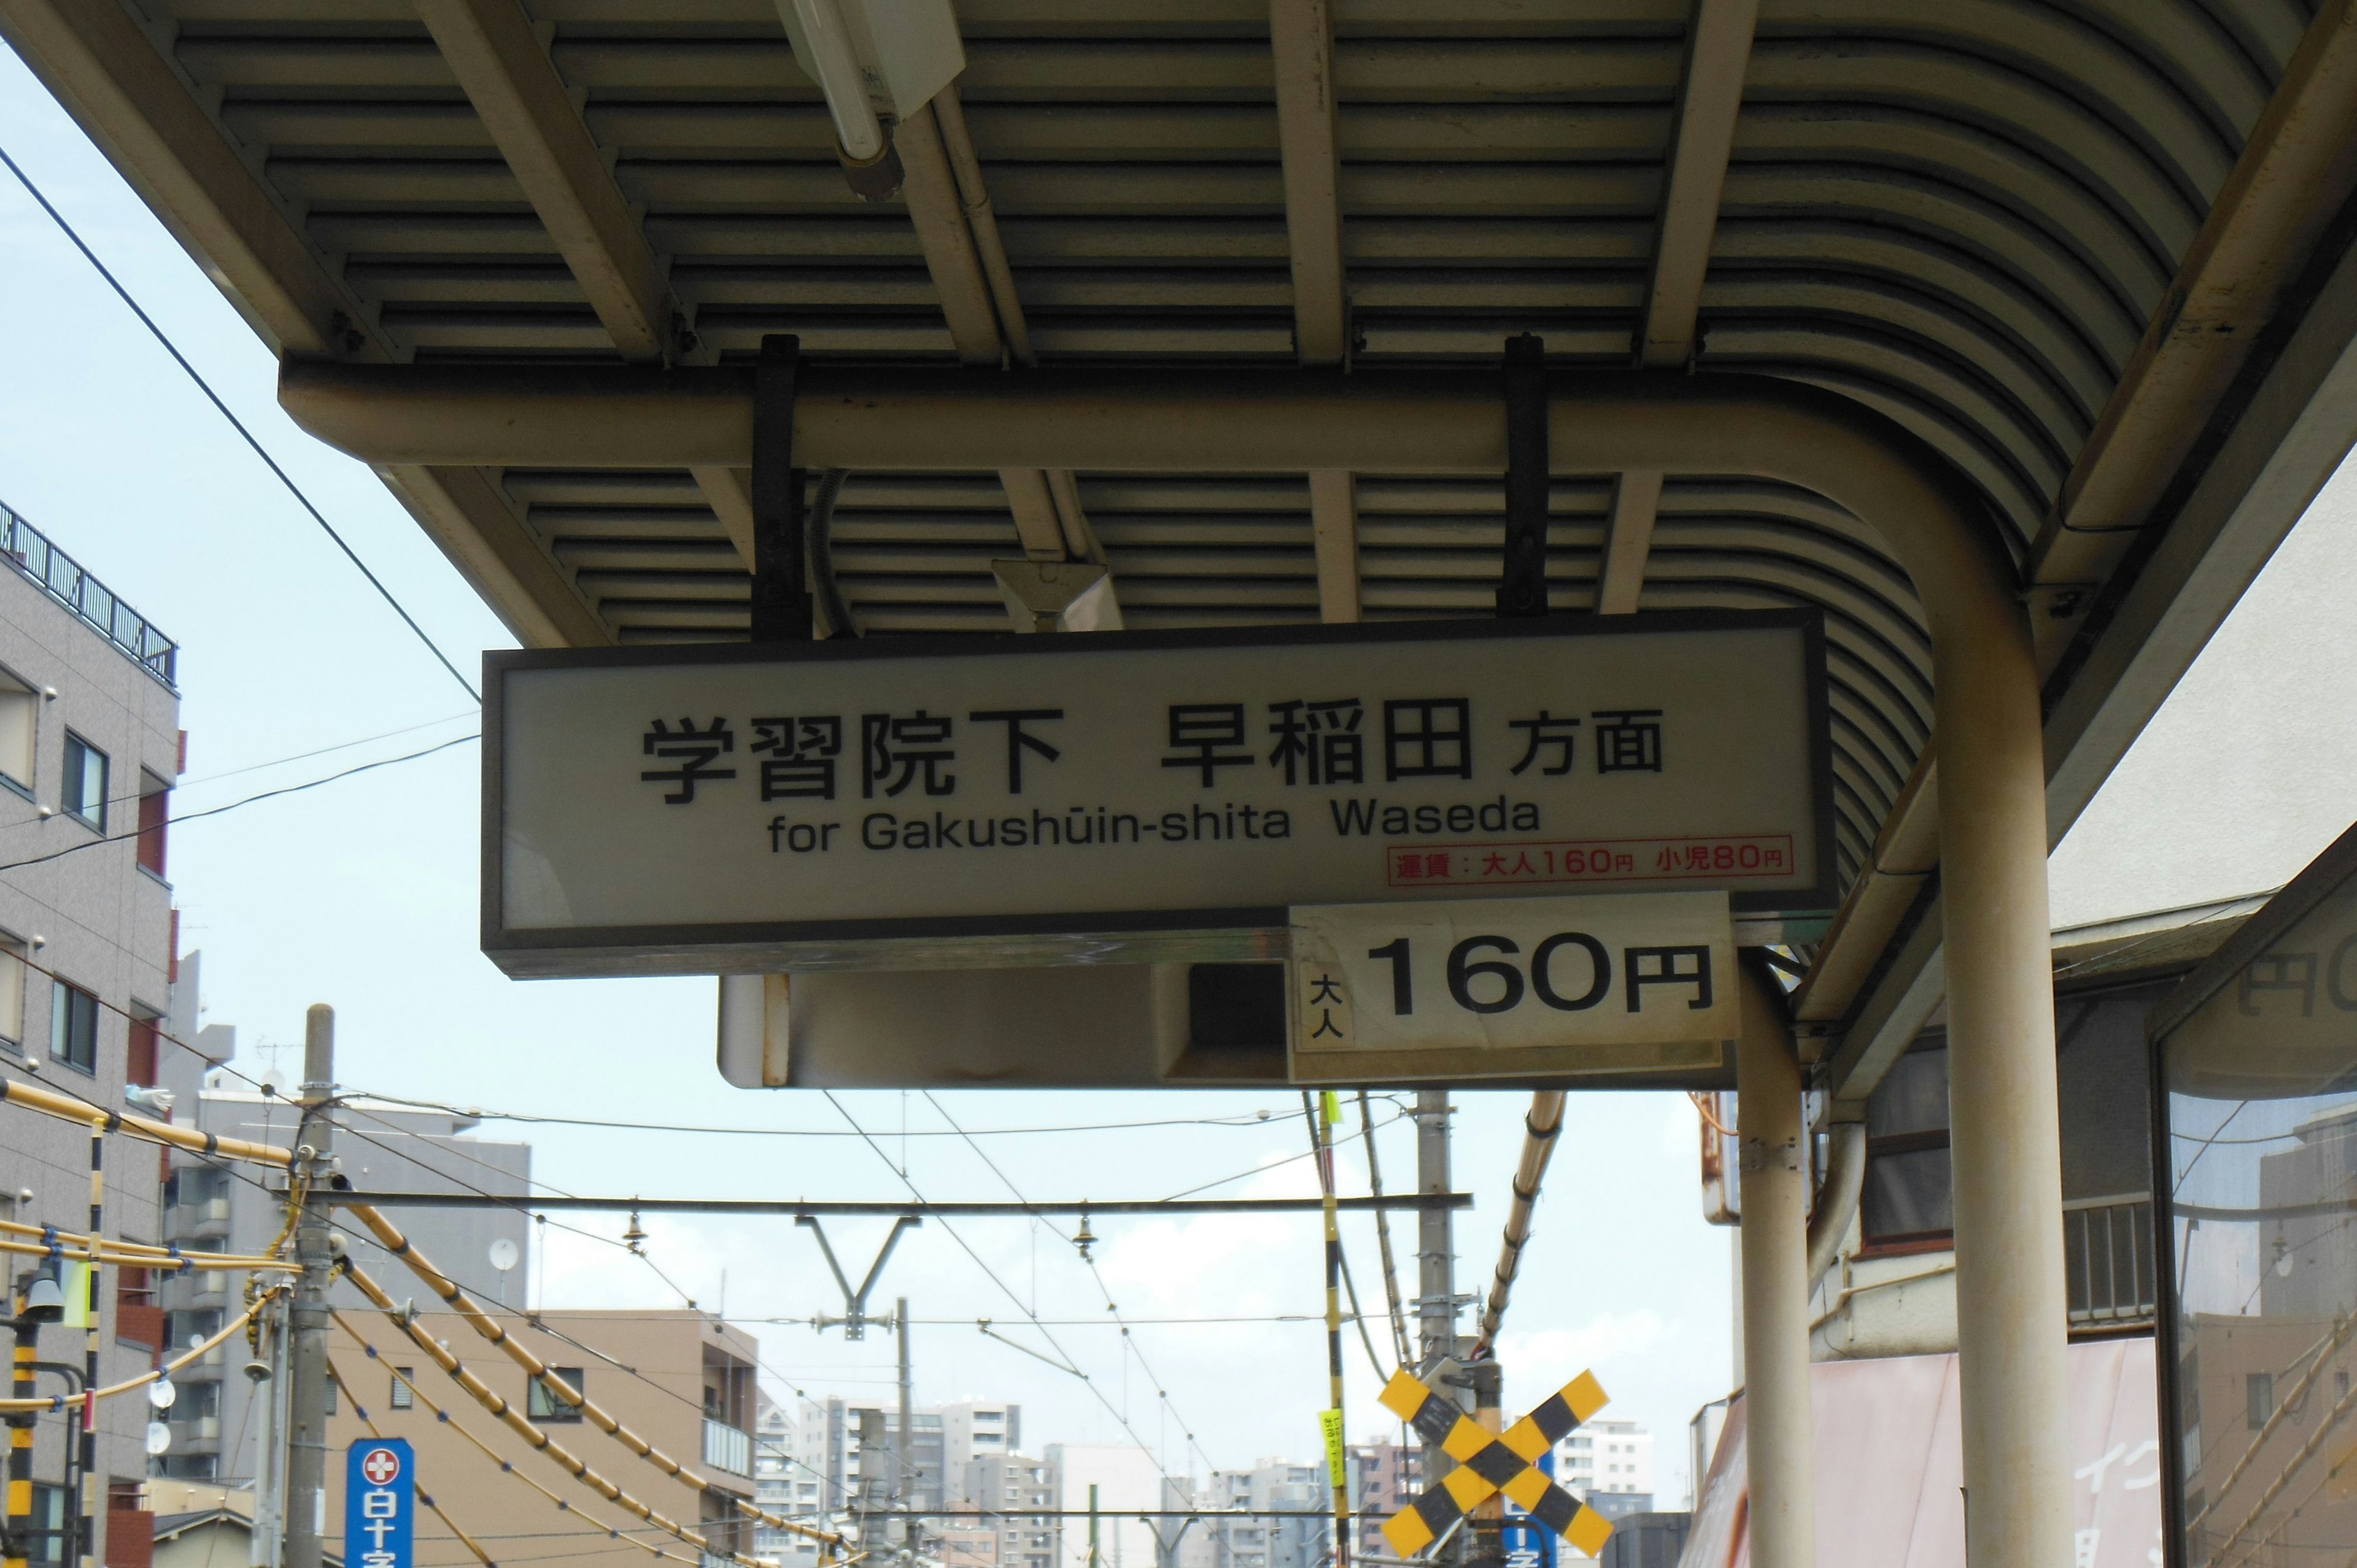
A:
{"x":1913,"y":1096}
{"x":1906,"y":1195}
{"x":2262,"y":1228}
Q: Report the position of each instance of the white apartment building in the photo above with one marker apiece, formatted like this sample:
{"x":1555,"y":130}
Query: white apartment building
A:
{"x":1608,"y":1458}
{"x":89,"y":748}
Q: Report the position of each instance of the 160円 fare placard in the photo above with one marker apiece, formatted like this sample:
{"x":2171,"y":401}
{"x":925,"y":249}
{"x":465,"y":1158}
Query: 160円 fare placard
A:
{"x":1136,"y":795}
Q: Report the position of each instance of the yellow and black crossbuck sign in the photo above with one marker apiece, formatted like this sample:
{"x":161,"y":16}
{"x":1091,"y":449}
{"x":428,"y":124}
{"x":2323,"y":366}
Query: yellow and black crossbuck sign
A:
{"x":1490,"y":1462}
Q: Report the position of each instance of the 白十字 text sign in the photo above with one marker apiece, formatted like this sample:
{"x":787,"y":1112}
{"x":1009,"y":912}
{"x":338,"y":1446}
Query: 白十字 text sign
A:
{"x":1134,"y":795}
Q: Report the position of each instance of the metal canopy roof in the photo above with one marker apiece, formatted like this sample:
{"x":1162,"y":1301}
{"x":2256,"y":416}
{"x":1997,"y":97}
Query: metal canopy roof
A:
{"x":2085,"y":250}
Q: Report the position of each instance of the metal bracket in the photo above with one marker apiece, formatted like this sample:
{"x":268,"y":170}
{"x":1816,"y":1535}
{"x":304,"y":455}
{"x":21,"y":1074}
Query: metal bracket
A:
{"x":855,"y":1303}
{"x":781,"y":601}
{"x":1523,"y":586}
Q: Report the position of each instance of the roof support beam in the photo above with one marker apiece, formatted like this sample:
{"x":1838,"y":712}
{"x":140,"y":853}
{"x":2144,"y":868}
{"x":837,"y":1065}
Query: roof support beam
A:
{"x":1628,"y":539}
{"x":491,"y":49}
{"x":141,"y":115}
{"x":463,"y":510}
{"x":930,"y":190}
{"x":1334,"y":525}
{"x":2296,"y":172}
{"x":1301,"y":44}
{"x":1718,"y":51}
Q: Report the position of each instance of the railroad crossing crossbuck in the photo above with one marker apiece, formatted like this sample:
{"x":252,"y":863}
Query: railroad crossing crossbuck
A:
{"x":1489,"y":1463}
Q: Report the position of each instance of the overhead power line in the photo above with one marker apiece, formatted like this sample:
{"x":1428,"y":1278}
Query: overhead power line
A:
{"x":233,"y":805}
{"x":478,"y":1199}
{"x":238,"y":424}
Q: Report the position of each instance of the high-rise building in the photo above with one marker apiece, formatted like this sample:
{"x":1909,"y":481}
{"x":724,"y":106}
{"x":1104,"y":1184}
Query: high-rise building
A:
{"x":1128,"y":1481}
{"x":89,"y":748}
{"x":1608,"y":1462}
{"x":997,"y":1488}
{"x":1385,"y":1478}
{"x":1285,"y":1516}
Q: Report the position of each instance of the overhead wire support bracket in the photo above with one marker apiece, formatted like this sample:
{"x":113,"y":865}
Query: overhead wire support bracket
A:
{"x":854,"y":1320}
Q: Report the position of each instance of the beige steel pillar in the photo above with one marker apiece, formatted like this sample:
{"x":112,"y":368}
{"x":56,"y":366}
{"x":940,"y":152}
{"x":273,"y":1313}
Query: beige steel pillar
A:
{"x":1775,"y":1197}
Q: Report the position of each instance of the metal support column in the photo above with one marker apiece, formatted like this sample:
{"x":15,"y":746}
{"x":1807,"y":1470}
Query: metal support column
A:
{"x":904,"y":1482}
{"x":1775,"y":1193}
{"x":781,"y":601}
{"x":306,"y":1445}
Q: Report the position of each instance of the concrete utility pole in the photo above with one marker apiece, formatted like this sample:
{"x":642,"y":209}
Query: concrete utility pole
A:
{"x":267,"y":1545}
{"x":306,"y":1437}
{"x":904,"y":1485}
{"x":1436,"y":1252}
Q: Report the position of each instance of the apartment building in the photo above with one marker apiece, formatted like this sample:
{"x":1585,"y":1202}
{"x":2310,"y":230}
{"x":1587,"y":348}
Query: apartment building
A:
{"x":683,"y":1380}
{"x":998,"y":1488}
{"x":211,"y":1206}
{"x":1285,"y":1516}
{"x":90,"y":748}
{"x":1385,"y":1477}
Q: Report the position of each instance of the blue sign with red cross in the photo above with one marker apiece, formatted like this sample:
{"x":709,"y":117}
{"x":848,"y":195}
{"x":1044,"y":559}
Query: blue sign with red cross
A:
{"x":380,"y":1503}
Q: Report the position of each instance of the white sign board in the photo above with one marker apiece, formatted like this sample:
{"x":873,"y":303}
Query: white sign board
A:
{"x":1138,"y":794}
{"x":1617,"y":983}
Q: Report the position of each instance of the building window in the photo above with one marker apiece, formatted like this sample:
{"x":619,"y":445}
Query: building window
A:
{"x":84,"y":792}
{"x":154,"y":812}
{"x":73,"y":1026}
{"x":546,"y":1404}
{"x":20,"y":710}
{"x":12,"y":990}
{"x":1906,"y":1201}
{"x":331,"y":1394}
{"x":400,"y":1396}
{"x":2259,"y":1393}
{"x":139,"y":1065}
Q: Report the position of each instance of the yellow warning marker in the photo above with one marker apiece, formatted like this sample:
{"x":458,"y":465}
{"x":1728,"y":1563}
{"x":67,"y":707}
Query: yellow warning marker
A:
{"x":1488,"y":1464}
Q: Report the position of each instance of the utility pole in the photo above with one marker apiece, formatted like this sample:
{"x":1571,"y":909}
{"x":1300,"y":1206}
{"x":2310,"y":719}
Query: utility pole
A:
{"x":267,"y":1545}
{"x":307,"y":1435}
{"x":903,"y":1442}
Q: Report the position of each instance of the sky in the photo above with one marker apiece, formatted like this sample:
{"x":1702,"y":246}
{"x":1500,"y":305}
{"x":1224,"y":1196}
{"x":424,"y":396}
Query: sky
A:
{"x":362,"y":894}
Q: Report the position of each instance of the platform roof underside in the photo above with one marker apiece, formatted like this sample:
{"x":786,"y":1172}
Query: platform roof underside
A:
{"x":2085,"y":250}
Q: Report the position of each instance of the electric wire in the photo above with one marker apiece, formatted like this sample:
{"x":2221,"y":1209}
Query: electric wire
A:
{"x":507,"y":1466}
{"x":1160,"y":1393}
{"x":336,"y":1377}
{"x":1005,"y":1289}
{"x":1256,"y":1120}
{"x":233,"y":805}
{"x":238,"y":424}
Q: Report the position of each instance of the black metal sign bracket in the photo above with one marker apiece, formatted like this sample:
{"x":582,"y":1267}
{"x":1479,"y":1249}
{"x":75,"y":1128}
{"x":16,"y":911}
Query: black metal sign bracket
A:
{"x":781,"y":601}
{"x":1523,"y":587}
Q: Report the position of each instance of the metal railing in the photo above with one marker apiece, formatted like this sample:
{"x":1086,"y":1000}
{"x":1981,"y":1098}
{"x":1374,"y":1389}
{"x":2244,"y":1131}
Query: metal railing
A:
{"x":62,"y":577}
{"x":2108,"y":1253}
{"x":727,"y":1449}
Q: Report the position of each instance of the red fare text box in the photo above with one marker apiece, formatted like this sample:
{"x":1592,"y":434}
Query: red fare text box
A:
{"x":1738,"y":857}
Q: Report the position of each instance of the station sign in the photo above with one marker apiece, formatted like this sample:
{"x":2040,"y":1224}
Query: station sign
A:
{"x":1134,"y":796}
{"x":1480,"y":988}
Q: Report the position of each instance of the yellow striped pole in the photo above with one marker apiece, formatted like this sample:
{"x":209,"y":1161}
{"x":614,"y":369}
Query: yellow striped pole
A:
{"x":1322,"y":1119}
{"x":91,"y":1479}
{"x":20,"y":1438}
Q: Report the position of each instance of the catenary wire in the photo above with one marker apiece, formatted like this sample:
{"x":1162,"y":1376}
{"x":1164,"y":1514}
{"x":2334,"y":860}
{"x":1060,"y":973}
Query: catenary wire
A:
{"x":238,"y":424}
{"x":233,"y":805}
{"x":1129,"y":1343}
{"x":1256,"y":1120}
{"x":1004,"y":1287}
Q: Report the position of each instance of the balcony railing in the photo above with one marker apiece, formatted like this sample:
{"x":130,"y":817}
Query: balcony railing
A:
{"x":726,"y":1448}
{"x":57,"y":575}
{"x":2107,"y":1252}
